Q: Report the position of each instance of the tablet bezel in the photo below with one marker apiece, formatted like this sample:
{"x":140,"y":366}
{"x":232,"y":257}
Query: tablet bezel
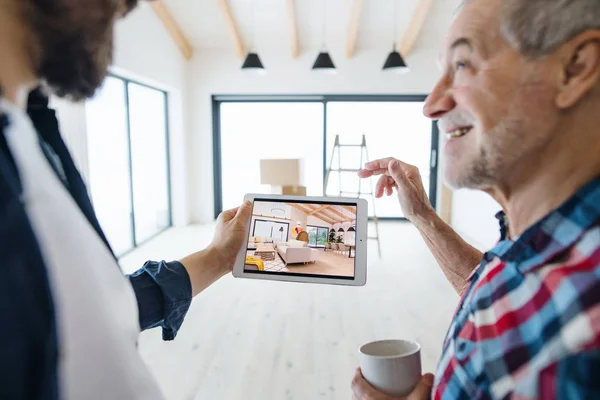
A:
{"x":361,"y":234}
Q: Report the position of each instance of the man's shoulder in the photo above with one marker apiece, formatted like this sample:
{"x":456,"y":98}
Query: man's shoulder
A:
{"x":579,"y":259}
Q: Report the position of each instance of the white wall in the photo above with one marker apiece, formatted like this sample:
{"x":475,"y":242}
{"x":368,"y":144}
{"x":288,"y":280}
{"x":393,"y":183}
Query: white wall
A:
{"x":146,"y":53}
{"x":473,"y":217}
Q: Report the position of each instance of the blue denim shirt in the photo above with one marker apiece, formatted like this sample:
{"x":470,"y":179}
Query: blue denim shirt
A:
{"x":29,"y":347}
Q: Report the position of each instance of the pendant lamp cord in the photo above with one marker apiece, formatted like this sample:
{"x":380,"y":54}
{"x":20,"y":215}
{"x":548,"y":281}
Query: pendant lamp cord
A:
{"x":395,"y":23}
{"x":324,"y":25}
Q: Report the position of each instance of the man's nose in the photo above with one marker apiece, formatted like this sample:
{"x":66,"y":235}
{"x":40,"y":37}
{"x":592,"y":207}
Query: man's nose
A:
{"x":439,"y":102}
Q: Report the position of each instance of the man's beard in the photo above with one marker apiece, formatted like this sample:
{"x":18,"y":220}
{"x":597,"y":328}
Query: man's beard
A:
{"x":496,"y":159}
{"x":74,"y":42}
{"x":479,"y":175}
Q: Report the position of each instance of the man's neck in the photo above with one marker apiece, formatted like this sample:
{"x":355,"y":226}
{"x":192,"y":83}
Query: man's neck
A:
{"x":17,"y":76}
{"x":567,"y":164}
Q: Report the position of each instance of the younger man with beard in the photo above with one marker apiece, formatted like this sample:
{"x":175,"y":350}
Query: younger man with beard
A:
{"x":70,"y":318}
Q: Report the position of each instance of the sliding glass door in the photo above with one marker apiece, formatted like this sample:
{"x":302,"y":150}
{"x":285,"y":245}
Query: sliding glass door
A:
{"x":127,"y":139}
{"x":317,"y":235}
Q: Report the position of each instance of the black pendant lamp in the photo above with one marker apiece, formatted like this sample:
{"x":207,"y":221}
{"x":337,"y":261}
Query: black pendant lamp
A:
{"x":340,"y":230}
{"x":324,"y":63}
{"x":252,"y":61}
{"x":394,"y":61}
{"x":351,"y":229}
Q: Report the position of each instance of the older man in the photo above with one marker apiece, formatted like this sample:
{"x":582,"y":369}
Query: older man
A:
{"x":519,"y":101}
{"x":70,"y":318}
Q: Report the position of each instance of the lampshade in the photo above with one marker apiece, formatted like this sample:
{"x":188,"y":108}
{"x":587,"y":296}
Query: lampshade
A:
{"x":324,"y":63}
{"x":340,"y":230}
{"x":395,"y":62}
{"x":332,"y":230}
{"x":351,"y":229}
{"x":252,"y":62}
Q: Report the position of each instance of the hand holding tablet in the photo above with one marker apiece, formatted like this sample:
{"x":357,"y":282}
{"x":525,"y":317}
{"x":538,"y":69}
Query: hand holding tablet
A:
{"x":305,"y":239}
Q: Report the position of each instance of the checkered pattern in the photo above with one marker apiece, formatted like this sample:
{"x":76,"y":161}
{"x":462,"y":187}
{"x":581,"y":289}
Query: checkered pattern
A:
{"x":528,"y":326}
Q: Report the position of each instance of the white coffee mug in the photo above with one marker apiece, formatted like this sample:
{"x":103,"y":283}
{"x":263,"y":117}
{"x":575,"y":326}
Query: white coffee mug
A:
{"x":391,"y":366}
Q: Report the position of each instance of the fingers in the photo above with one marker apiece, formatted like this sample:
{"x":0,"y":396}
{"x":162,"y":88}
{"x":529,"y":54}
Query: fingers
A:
{"x":423,"y":388}
{"x":378,"y":164}
{"x":366,"y":173}
{"x":385,"y":185}
{"x":362,"y":390}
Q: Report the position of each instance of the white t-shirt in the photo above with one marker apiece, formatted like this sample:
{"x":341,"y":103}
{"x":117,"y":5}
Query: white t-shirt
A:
{"x":96,"y":309}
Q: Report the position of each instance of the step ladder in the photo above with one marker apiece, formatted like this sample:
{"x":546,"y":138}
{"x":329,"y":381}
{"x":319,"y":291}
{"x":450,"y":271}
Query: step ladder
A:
{"x":364,"y":157}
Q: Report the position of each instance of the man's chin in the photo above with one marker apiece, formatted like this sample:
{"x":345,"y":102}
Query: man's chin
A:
{"x":456,"y":178}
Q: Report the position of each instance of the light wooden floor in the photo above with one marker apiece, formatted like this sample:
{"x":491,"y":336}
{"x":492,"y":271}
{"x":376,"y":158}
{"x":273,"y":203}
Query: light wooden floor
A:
{"x":329,"y":263}
{"x":253,"y":340}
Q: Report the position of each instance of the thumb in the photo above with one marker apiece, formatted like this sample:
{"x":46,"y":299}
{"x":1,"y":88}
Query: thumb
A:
{"x":395,"y":170}
{"x":423,"y":388}
{"x":244,"y":211}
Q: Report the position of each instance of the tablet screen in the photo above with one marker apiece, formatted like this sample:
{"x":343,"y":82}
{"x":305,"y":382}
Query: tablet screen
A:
{"x":302,"y":238}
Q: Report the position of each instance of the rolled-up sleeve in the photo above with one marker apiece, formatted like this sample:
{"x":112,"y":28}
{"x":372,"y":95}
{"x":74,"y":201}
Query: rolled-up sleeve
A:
{"x":164,"y":294}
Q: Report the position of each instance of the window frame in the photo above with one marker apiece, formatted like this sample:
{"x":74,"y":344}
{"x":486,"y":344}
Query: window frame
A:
{"x":135,"y":242}
{"x":318,"y":227}
{"x":217,"y":100}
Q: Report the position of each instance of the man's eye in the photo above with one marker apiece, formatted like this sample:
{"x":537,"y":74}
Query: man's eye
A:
{"x":460,"y":64}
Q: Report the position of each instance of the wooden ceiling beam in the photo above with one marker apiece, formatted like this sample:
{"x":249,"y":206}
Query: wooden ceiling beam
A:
{"x":325,"y":218}
{"x":173,"y":29}
{"x":304,"y":210}
{"x":293,"y":22}
{"x":353,"y":27}
{"x":320,"y":209}
{"x":232,"y":28}
{"x":414,"y":28}
{"x":351,"y":209}
{"x":345,"y":217}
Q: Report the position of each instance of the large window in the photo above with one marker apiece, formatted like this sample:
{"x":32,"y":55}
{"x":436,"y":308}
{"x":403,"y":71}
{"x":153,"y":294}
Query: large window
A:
{"x":254,"y":131}
{"x":391,"y":129}
{"x":127,"y":139}
{"x":248,"y":129}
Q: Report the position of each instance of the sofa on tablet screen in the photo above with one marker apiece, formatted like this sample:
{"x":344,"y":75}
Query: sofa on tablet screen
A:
{"x":295,"y":251}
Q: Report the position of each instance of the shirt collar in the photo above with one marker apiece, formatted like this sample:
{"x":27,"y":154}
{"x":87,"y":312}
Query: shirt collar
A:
{"x":554,"y":233}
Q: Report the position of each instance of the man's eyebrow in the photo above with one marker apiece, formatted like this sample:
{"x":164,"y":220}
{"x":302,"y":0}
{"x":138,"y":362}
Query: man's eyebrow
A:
{"x":463,"y":41}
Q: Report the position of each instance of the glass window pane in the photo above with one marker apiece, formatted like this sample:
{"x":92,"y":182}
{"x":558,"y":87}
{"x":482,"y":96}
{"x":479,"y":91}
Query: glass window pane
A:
{"x":147,"y":111}
{"x":392,"y":129}
{"x":108,"y":157}
{"x":254,"y":131}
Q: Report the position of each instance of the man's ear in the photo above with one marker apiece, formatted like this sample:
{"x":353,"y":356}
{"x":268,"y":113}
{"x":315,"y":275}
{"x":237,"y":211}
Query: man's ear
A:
{"x":580,"y":68}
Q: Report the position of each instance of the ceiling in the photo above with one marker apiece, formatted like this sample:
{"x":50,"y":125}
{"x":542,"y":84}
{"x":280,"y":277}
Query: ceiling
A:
{"x":204,"y":26}
{"x":332,"y":214}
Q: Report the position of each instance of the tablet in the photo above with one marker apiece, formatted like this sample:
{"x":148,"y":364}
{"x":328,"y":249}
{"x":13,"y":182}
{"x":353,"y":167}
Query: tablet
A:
{"x":305,"y":239}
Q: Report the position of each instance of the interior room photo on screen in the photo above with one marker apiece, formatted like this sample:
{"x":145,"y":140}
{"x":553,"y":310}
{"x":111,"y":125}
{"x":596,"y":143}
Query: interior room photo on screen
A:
{"x":302,"y":238}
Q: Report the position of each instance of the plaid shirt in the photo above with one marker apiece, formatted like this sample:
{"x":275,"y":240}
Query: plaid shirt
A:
{"x":528,"y":326}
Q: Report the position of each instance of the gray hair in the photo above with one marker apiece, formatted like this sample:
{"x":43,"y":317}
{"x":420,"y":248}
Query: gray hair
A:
{"x":537,"y":27}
